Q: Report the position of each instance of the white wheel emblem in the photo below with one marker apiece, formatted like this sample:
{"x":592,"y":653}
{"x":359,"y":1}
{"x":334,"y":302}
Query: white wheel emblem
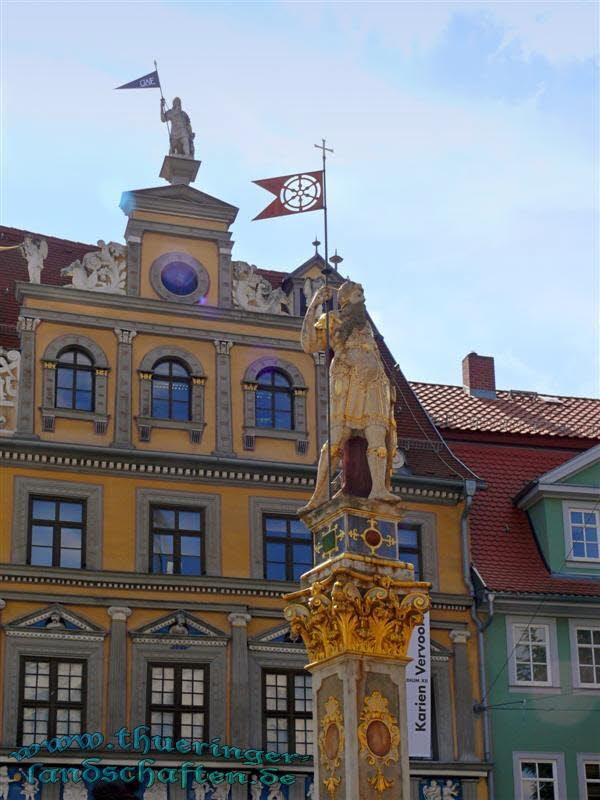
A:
{"x":300,"y":192}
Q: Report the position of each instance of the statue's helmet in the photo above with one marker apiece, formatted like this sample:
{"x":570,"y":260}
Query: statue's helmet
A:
{"x":345,"y":292}
{"x":176,"y":102}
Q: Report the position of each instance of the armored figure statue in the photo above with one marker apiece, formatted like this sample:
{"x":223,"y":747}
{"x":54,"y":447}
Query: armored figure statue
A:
{"x":362,"y":398}
{"x":181,"y":134}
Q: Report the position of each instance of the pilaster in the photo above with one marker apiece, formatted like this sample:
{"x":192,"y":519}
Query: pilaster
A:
{"x":225,"y":275}
{"x":123,"y":421}
{"x":240,"y":697}
{"x":224,"y":428}
{"x":26,"y":401}
{"x":463,"y":690}
{"x":116,"y":716}
{"x":134,"y":260}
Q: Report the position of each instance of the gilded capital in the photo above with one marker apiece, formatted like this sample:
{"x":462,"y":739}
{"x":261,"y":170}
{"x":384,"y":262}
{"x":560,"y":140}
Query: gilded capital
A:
{"x":354,"y":612}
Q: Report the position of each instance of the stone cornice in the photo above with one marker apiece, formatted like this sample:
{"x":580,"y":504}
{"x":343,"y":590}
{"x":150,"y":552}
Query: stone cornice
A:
{"x":128,"y":303}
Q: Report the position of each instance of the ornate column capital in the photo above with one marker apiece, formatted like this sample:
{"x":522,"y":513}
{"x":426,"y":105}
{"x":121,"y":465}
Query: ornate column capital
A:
{"x":125,"y":336}
{"x":239,"y":619}
{"x":27,"y":323}
{"x":118,"y":613}
{"x":223,"y":346}
{"x":460,"y":637}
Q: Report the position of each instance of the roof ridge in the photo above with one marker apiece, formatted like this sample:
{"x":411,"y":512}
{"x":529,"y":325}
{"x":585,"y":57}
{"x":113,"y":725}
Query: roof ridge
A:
{"x":10,"y":229}
{"x":507,"y":391}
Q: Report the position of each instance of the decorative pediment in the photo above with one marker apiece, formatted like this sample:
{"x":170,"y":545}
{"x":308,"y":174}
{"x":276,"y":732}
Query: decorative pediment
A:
{"x":178,"y":199}
{"x":55,"y":621}
{"x":179,"y":625}
{"x":439,"y":652}
{"x":276,"y":639}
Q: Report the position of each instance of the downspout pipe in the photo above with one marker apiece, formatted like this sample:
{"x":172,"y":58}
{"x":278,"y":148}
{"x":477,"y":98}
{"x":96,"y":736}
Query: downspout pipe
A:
{"x":470,"y":487}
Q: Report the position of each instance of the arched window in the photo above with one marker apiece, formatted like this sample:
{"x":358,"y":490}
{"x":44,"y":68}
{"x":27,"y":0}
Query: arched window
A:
{"x":171,"y":391}
{"x":75,"y":380}
{"x":274,"y":400}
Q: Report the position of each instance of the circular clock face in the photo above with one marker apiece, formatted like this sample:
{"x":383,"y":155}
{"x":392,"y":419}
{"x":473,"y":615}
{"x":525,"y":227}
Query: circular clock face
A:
{"x":179,"y":277}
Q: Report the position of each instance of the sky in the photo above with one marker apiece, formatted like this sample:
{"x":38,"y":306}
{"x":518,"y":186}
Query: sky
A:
{"x":463,"y":187}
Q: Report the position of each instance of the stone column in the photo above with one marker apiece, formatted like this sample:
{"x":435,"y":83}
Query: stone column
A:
{"x":463,"y":692}
{"x":26,"y":408}
{"x":116,"y":716}
{"x":224,"y":428}
{"x":122,"y":435}
{"x":321,"y":398}
{"x":355,"y":611}
{"x":239,"y":696}
{"x":225,"y":277}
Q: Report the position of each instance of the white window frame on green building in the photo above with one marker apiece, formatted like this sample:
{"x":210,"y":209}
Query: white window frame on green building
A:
{"x":559,"y":780}
{"x":589,"y":625}
{"x":514,"y":626}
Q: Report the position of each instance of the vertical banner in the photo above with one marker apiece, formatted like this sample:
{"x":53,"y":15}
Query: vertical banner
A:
{"x":418,"y":692}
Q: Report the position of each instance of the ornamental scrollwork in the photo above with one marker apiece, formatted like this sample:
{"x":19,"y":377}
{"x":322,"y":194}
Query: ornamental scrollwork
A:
{"x":350,"y":612}
{"x":379,"y":737}
{"x":331,"y":744}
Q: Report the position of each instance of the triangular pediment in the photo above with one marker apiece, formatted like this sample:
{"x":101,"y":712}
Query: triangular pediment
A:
{"x":312,"y":267}
{"x":54,"y":619}
{"x":180,"y":624}
{"x":278,"y":635}
{"x":178,"y":199}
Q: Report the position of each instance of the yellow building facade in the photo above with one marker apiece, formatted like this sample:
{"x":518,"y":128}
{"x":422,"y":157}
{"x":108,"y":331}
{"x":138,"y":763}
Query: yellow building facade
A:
{"x":161,"y":440}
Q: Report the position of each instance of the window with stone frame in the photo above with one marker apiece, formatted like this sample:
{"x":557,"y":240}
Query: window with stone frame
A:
{"x":57,"y":532}
{"x":409,"y":547}
{"x":288,"y":551}
{"x":176,"y":540}
{"x":274,"y":400}
{"x":588,"y":655}
{"x":591,"y":778}
{"x":287,"y":711}
{"x":52,"y":694}
{"x":177,"y":700}
{"x":538,"y":780}
{"x":171,"y":391}
{"x":531,"y":654}
{"x":75,"y":376}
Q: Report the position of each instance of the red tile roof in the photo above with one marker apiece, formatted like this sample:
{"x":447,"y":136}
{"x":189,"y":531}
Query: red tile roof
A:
{"x":503,"y":546}
{"x":511,"y":412}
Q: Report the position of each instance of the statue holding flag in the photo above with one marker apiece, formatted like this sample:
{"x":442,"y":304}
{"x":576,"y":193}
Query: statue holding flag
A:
{"x":181,"y":135}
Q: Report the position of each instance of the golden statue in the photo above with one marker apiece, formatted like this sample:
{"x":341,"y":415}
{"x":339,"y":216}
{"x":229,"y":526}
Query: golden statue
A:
{"x":362,"y":398}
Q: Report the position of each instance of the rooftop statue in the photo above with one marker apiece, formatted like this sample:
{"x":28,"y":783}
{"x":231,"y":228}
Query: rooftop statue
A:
{"x":34,"y":251}
{"x":103,"y":270}
{"x":181,"y":134}
{"x":253,"y":292}
{"x":362,"y":398}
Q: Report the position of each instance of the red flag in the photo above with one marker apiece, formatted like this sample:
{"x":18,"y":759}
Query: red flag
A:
{"x":294,"y":194}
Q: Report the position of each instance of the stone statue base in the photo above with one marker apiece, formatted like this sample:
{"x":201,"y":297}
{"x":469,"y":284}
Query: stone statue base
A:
{"x":355,"y":612}
{"x":179,"y":170}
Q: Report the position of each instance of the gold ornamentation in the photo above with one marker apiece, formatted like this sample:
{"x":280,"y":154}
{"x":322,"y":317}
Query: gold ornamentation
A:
{"x":199,"y":380}
{"x":353,"y":612}
{"x":250,"y":387}
{"x":101,"y":371}
{"x":145,"y":376}
{"x":49,"y":364}
{"x":331,"y":744}
{"x":379,"y":737}
{"x":332,"y":535}
{"x":372,"y":536}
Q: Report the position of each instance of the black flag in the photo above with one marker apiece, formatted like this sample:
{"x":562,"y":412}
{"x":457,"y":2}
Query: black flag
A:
{"x":149,"y":81}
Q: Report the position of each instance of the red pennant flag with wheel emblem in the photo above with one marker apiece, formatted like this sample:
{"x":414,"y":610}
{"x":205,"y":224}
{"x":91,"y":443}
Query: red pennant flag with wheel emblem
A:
{"x":294,"y":194}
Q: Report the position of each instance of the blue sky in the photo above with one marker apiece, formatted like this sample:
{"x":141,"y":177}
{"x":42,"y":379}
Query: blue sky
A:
{"x":462,"y":190}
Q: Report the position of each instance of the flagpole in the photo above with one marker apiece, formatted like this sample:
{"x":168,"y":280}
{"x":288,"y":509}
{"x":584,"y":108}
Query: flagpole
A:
{"x":162,"y":97}
{"x":326,"y":272}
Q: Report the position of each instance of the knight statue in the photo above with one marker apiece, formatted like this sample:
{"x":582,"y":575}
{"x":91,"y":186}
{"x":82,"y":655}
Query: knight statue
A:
{"x":362,"y":398}
{"x":181,"y":134}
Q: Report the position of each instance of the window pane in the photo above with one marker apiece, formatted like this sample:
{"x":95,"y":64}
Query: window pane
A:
{"x":178,"y":369}
{"x":64,"y":377}
{"x":584,"y":636}
{"x":302,"y":554}
{"x":191,"y":565}
{"x":64,"y":398}
{"x":41,"y":556}
{"x":592,"y":551}
{"x":592,"y":770}
{"x":275,"y":551}
{"x":585,"y":655}
{"x":577,"y":517}
{"x":279,"y":379}
{"x":412,"y":558}
{"x":263,"y":399}
{"x":68,"y":357}
{"x":275,"y":572}
{"x":70,"y":559}
{"x":84,"y":380}
{"x":283,"y":401}
{"x":190,"y":545}
{"x":71,"y":512}
{"x":44,"y":509}
{"x":163,"y":518}
{"x":189,"y":520}
{"x":264,"y":419}
{"x":579,"y":550}
{"x":275,"y":525}
{"x":163,"y":368}
{"x":41,"y":535}
{"x":283,"y":419}
{"x":179,"y":410}
{"x":160,"y":390}
{"x":162,"y":543}
{"x":408,"y":537}
{"x":70,"y":537}
{"x":540,"y":672}
{"x":589,"y":518}
{"x":82,"y":358}
{"x":577,"y":532}
{"x":298,"y":528}
{"x":83,"y":401}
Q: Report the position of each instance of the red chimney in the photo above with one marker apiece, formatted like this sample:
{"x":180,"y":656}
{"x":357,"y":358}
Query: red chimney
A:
{"x":479,"y":377}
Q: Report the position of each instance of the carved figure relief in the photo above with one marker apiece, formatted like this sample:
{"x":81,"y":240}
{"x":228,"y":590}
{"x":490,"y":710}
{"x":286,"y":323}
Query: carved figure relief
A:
{"x":34,"y":250}
{"x":10,"y":361}
{"x":29,"y":790}
{"x":158,"y":791}
{"x":253,"y":292}
{"x":5,"y":782}
{"x":275,"y":792}
{"x":74,"y":791}
{"x":103,"y":270}
{"x":200,"y":790}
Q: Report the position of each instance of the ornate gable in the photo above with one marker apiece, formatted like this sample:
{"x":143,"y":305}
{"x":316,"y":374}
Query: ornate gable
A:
{"x":179,"y":625}
{"x":55,"y":622}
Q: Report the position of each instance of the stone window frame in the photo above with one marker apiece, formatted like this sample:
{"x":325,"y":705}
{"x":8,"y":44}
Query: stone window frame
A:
{"x":201,"y":273}
{"x":101,"y":367}
{"x":261,"y":656}
{"x":93,"y":494}
{"x":582,"y":759}
{"x":89,"y":647}
{"x":251,"y":431}
{"x":257,"y":506}
{"x":145,"y":421}
{"x":574,"y":624}
{"x":525,"y":755}
{"x":212,"y":653}
{"x":427,"y":522}
{"x":210,"y":504}
{"x":533,"y":687}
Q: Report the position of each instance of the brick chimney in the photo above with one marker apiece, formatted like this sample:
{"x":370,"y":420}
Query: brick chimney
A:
{"x":479,"y":377}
